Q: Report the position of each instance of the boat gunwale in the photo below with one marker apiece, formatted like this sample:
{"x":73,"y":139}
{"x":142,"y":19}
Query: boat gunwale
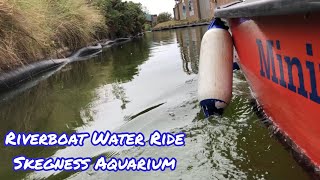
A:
{"x":242,"y":9}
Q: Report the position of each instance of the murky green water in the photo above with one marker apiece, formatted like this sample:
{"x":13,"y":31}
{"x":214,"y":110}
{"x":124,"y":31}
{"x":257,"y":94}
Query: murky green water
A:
{"x":141,"y":86}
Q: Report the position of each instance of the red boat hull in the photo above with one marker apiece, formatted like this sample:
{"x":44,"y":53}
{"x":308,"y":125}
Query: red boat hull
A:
{"x":280,"y":57}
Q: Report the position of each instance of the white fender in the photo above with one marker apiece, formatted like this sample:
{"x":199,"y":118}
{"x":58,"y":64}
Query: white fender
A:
{"x":215,"y":69}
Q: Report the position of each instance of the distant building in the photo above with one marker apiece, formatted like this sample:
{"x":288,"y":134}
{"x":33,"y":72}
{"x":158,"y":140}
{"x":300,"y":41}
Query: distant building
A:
{"x":154,"y":19}
{"x":176,"y":14}
{"x":196,"y":9}
{"x":151,"y":19}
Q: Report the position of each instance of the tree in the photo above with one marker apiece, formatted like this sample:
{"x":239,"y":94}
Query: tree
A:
{"x":163,"y":17}
{"x":122,"y":18}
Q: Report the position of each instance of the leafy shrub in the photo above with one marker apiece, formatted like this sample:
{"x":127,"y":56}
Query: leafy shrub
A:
{"x":164,"y":17}
{"x":122,"y":18}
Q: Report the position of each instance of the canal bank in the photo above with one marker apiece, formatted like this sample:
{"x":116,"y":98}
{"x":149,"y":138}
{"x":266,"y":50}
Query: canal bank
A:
{"x":15,"y":78}
{"x":35,"y":30}
{"x":178,"y":25}
{"x":116,"y":91}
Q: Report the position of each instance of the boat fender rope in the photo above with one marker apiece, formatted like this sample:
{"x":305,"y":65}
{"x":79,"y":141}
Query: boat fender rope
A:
{"x":218,"y":23}
{"x":211,"y":107}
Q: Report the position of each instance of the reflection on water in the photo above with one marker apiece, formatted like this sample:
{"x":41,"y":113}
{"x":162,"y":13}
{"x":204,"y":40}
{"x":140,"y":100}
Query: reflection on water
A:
{"x":59,"y":103}
{"x":145,"y":85}
{"x":189,"y":43}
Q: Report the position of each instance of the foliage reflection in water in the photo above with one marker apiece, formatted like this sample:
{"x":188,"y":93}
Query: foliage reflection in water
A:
{"x":141,"y":86}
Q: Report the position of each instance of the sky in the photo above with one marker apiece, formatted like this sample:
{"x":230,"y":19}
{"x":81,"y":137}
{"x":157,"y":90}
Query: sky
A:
{"x":157,"y":6}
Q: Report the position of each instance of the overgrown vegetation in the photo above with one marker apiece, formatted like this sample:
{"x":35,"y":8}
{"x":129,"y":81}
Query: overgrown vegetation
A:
{"x":122,"y":18}
{"x":34,"y":29}
{"x":164,"y":17}
{"x":31,"y":30}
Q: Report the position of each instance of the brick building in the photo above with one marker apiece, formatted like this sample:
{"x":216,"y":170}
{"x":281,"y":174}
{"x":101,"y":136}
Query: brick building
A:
{"x":151,"y":19}
{"x":196,"y":9}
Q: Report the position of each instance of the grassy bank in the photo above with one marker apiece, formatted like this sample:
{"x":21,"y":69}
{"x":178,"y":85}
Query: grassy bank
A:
{"x":34,"y":29}
{"x":173,"y":23}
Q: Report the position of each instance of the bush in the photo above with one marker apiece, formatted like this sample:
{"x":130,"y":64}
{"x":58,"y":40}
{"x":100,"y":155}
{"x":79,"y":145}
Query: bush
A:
{"x":164,"y":17}
{"x":122,"y":18}
{"x":147,"y":27}
{"x":35,"y":29}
